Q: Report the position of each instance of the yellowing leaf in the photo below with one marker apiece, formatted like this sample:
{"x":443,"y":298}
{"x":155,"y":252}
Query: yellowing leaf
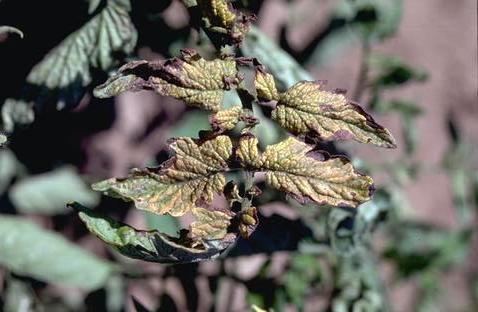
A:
{"x":226,"y":119}
{"x":210,"y":224}
{"x":248,"y":152}
{"x":68,"y":67}
{"x":265,"y":85}
{"x":293,"y":167}
{"x":194,"y":173}
{"x":191,"y":78}
{"x":307,"y":109}
{"x":223,"y":22}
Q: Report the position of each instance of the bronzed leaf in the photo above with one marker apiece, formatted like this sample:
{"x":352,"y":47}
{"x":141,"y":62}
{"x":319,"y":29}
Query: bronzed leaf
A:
{"x":151,"y":246}
{"x":210,"y":223}
{"x":294,"y":167}
{"x":221,"y":20}
{"x":226,"y":119}
{"x":190,"y":78}
{"x":306,"y":109}
{"x":194,"y":173}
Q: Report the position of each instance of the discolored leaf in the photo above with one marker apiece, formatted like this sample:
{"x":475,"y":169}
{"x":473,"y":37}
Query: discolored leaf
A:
{"x":265,"y":85}
{"x":210,"y":223}
{"x":151,"y":246}
{"x":294,"y":167}
{"x":190,"y":78}
{"x":226,"y":119}
{"x":307,"y":109}
{"x":29,"y":250}
{"x":68,"y":68}
{"x":194,"y":173}
{"x":223,"y":24}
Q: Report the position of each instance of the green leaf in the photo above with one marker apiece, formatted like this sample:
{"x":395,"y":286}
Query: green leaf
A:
{"x":391,"y":71}
{"x":16,"y":113}
{"x":151,"y":246}
{"x":190,"y":124}
{"x":168,"y":224}
{"x":48,"y":193}
{"x":29,"y":250}
{"x":19,"y":297}
{"x":63,"y":74}
{"x":282,"y":66}
{"x":196,"y":81}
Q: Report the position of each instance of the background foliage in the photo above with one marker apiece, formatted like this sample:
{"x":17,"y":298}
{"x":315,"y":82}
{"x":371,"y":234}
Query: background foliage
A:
{"x":411,"y":248}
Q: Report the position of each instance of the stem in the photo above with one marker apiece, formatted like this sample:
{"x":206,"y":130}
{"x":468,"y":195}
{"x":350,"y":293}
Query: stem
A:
{"x":363,"y":73}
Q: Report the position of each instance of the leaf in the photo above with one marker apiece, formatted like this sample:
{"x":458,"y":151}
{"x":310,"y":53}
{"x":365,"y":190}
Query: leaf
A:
{"x":49,"y":192}
{"x":168,"y":224}
{"x":284,"y":67}
{"x":265,"y":85}
{"x":306,"y":109}
{"x":29,"y":250}
{"x":221,"y":21}
{"x":19,"y":297}
{"x":226,"y":119}
{"x":68,"y":68}
{"x":194,"y":174}
{"x":10,"y":29}
{"x":16,"y":113}
{"x":210,"y":224}
{"x":190,"y":78}
{"x":150,"y":246}
{"x":295,"y":168}
{"x":3,"y":139}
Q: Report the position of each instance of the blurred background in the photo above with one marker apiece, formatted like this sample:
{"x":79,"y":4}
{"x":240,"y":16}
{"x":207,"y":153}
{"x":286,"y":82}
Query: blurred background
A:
{"x":411,"y":64}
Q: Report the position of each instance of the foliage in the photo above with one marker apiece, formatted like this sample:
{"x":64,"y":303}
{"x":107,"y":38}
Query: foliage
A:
{"x":256,"y":178}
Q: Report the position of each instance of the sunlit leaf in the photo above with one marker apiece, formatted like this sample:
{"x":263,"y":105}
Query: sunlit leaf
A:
{"x":65,"y":71}
{"x":307,"y":109}
{"x":295,"y":168}
{"x":29,"y":250}
{"x":265,"y":85}
{"x":194,"y":173}
{"x":210,"y":223}
{"x":151,"y":246}
{"x":190,"y":78}
{"x":226,"y":119}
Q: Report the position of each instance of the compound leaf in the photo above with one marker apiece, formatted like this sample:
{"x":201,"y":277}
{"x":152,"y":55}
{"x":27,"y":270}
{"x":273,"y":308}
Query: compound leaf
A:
{"x":151,"y":246}
{"x":29,"y":250}
{"x":307,"y":109}
{"x":67,"y":69}
{"x":294,"y":167}
{"x":190,"y":78}
{"x":194,"y":174}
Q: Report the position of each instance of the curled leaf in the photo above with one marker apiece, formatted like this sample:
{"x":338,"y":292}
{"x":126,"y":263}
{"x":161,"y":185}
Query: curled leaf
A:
{"x":190,"y":78}
{"x":150,"y":246}
{"x":194,"y":173}
{"x":307,"y":109}
{"x":293,"y":167}
{"x":10,"y":29}
{"x":221,"y":20}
